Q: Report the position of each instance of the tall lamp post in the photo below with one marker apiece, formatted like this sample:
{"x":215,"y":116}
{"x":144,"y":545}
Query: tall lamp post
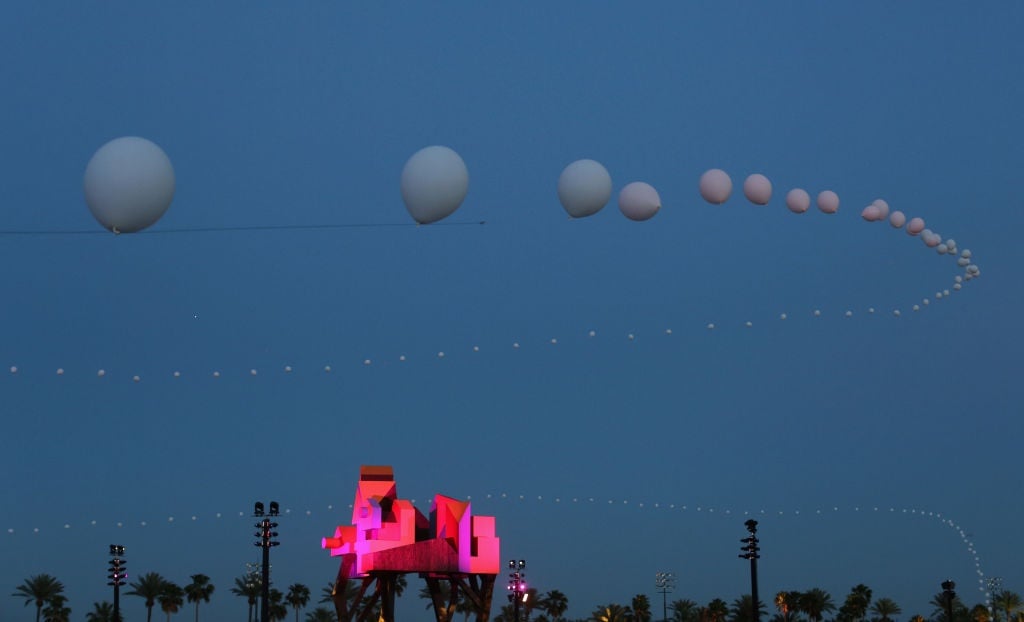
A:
{"x":516,"y":586}
{"x":665,"y":582}
{"x":949,"y":596}
{"x":117,"y":576}
{"x":266,"y":534}
{"x":750,"y":551}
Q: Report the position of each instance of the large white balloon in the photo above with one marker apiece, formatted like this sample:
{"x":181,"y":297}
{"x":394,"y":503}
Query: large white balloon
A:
{"x":758,"y":189}
{"x":129,"y":184}
{"x":434,"y":183}
{"x":897,"y":219}
{"x":584,"y":187}
{"x":797,"y":200}
{"x":639,"y":201}
{"x":828,"y":202}
{"x":715,"y":186}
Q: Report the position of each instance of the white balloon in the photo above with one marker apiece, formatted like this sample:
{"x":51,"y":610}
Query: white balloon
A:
{"x":871,"y":213}
{"x":758,"y":189}
{"x":128,"y":184}
{"x":639,"y":201}
{"x":883,"y":208}
{"x":915,"y":226}
{"x":797,"y":200}
{"x":434,"y":183}
{"x":897,"y":219}
{"x":584,"y":188}
{"x":828,"y":202}
{"x":715,"y":186}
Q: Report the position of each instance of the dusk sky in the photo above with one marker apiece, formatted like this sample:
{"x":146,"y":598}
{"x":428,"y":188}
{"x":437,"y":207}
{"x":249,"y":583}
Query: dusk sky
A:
{"x":872,"y":447}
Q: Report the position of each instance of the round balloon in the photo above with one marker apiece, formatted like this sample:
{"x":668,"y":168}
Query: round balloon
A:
{"x":883,"y":208}
{"x":897,"y":219}
{"x":797,"y":200}
{"x":915,"y":226}
{"x":871,"y":213}
{"x":434,"y":183}
{"x":639,"y":201}
{"x":758,"y":189}
{"x":715,"y":186}
{"x":129,"y":184}
{"x":828,"y":202}
{"x":584,"y":188}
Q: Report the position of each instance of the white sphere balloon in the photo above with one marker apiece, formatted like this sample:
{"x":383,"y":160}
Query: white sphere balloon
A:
{"x":584,"y":188}
{"x":871,"y":213}
{"x":639,"y":201}
{"x":915,"y":226}
{"x":129,"y":184}
{"x":797,"y":200}
{"x":758,"y":189}
{"x":828,"y":202}
{"x":715,"y":186}
{"x":434,"y":183}
{"x":897,"y":219}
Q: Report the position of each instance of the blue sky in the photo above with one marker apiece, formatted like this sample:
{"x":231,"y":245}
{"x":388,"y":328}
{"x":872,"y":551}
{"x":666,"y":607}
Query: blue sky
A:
{"x":285,"y":115}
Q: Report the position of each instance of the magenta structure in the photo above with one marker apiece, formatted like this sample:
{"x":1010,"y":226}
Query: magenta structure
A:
{"x":455,"y":552}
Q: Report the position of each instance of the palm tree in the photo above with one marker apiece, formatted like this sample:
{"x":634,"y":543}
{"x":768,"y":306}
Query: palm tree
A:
{"x":555,"y":604}
{"x":683,"y":610}
{"x":613,"y":612}
{"x":742,"y":609}
{"x":884,"y":608}
{"x":715,"y":611}
{"x":979,"y":613}
{"x":641,"y":606}
{"x":1007,"y":601}
{"x":787,"y":602}
{"x":55,"y":610}
{"x":171,"y":598}
{"x":856,"y":606}
{"x":101,"y":612}
{"x":199,"y":590}
{"x":149,"y":587}
{"x":249,"y":586}
{"x":940,"y":614}
{"x":815,"y":603}
{"x":277,"y":610}
{"x":39,"y":589}
{"x":298,"y":597}
{"x":321,"y":614}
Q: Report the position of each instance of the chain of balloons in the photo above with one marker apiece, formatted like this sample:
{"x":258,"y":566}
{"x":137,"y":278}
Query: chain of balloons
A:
{"x":590,"y":502}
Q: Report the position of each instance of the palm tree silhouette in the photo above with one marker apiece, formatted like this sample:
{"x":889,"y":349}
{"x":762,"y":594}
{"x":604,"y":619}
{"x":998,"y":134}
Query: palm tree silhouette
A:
{"x":199,"y":590}
{"x":39,"y":589}
{"x":148,"y":587}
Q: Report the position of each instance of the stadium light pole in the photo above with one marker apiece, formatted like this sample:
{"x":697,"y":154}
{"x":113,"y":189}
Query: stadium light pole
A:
{"x":266,"y":534}
{"x":665,"y":582}
{"x":750,"y":551}
{"x":516,"y":585}
{"x":117,"y":576}
{"x":949,"y":595}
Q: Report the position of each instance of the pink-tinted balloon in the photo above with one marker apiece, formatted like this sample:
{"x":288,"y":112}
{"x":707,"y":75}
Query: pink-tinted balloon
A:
{"x":931,"y":240}
{"x":883,"y":208}
{"x":897,"y":219}
{"x":715,"y":186}
{"x":828,"y":202}
{"x":797,"y":200}
{"x":871,"y":213}
{"x":915,"y":226}
{"x":639,"y":201}
{"x":758,"y":189}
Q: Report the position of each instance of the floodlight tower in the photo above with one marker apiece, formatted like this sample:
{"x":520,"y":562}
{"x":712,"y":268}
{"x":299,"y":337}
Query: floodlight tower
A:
{"x":750,"y":551}
{"x":117,"y":576}
{"x":516,"y":586}
{"x":266,"y":534}
{"x":665,"y":582}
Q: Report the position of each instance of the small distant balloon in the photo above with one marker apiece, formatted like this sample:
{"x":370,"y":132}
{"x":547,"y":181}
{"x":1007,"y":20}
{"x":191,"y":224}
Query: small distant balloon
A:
{"x":758,"y":189}
{"x":883,"y":208}
{"x":798,"y":201}
{"x":434,"y":183}
{"x":639,"y":201}
{"x":897,"y":219}
{"x":584,"y":188}
{"x":128,"y":184}
{"x":828,"y":202}
{"x":915,"y":226}
{"x":715,"y":186}
{"x":871,"y":213}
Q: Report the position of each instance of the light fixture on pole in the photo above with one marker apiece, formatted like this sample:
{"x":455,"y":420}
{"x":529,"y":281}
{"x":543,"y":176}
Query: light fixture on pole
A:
{"x":949,"y":596}
{"x":266,"y":534}
{"x":117,"y":576}
{"x":516,"y":586}
{"x":665,"y":582}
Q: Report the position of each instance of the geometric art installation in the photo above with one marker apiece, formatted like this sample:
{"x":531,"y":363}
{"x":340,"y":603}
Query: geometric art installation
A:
{"x":389,"y":537}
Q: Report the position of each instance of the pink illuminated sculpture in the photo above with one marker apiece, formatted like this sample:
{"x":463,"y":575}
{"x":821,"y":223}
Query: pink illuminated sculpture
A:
{"x":390,"y":537}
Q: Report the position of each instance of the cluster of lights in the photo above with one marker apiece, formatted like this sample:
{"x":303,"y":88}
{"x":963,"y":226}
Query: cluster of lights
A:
{"x":516,"y":586}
